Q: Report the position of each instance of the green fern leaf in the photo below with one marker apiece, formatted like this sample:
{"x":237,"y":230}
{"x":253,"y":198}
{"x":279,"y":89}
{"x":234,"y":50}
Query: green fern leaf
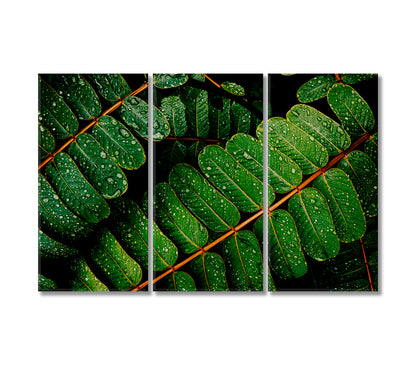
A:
{"x":291,"y":140}
{"x":102,"y":172}
{"x":46,"y":142}
{"x":209,"y":272}
{"x":46,"y":284}
{"x":174,"y":218}
{"x":110,"y":86}
{"x":75,"y":190}
{"x":311,"y":214}
{"x":180,"y":281}
{"x":243,"y":261}
{"x":324,"y":129}
{"x":344,"y":204}
{"x":84,"y":279}
{"x":286,"y":259}
{"x":351,"y":109}
{"x":119,"y":268}
{"x":363,"y":174}
{"x":78,"y":94}
{"x":240,"y":186}
{"x":169,"y":80}
{"x":174,"y":110}
{"x":214,"y":210}
{"x":55,"y":114}
{"x":119,"y":143}
{"x":316,"y":88}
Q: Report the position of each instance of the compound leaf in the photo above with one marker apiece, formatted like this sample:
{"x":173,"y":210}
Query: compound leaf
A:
{"x":169,"y":80}
{"x":243,"y":262}
{"x":55,"y":218}
{"x":204,"y":201}
{"x":119,"y":143}
{"x":110,"y":86}
{"x":52,"y":249}
{"x":78,"y":94}
{"x":233,"y":88}
{"x":209,"y":272}
{"x":84,"y":279}
{"x":314,"y":222}
{"x":119,"y":268}
{"x":46,"y":142}
{"x":174,"y":110}
{"x":363,"y":174}
{"x":294,"y":142}
{"x":54,"y":113}
{"x":196,"y":102}
{"x":239,"y":185}
{"x":102,"y":172}
{"x":352,"y":110}
{"x":316,"y":88}
{"x":286,"y":259}
{"x":172,"y":217}
{"x":324,"y":129}
{"x":75,"y":190}
{"x":344,"y":204}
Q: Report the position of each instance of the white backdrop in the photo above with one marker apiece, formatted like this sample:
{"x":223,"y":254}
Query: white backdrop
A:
{"x":288,"y":333}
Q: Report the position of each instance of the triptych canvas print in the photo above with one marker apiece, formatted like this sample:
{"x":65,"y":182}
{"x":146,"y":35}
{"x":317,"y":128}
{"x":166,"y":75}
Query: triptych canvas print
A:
{"x":181,"y":182}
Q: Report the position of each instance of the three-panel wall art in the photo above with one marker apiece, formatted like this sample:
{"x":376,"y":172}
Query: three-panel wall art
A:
{"x":208,"y":187}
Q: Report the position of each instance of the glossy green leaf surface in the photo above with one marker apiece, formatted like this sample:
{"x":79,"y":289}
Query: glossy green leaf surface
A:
{"x":126,"y":89}
{"x":198,"y":77}
{"x":46,"y":284}
{"x":169,"y":80}
{"x":239,"y":185}
{"x":240,"y":119}
{"x":84,"y":279}
{"x":161,"y":127}
{"x":316,"y":88}
{"x":129,"y":225}
{"x":219,"y":120}
{"x":180,"y":281}
{"x":174,"y":111}
{"x":363,"y":174}
{"x":135,"y":113}
{"x":352,"y":110}
{"x":55,"y":218}
{"x":244,"y":263}
{"x":119,"y":143}
{"x":233,"y":88}
{"x":324,"y":129}
{"x":102,"y":172}
{"x":119,"y":268}
{"x":343,"y":202}
{"x":52,"y":249}
{"x":297,"y":144}
{"x":196,"y":102}
{"x":173,"y":218}
{"x":204,"y":201}
{"x":371,"y":148}
{"x":356,"y":78}
{"x":78,"y":94}
{"x":209,"y":272}
{"x":286,"y":259}
{"x":284,"y":173}
{"x":316,"y":229}
{"x":110,"y":86}
{"x":54,"y":113}
{"x":46,"y":142}
{"x":75,"y":190}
